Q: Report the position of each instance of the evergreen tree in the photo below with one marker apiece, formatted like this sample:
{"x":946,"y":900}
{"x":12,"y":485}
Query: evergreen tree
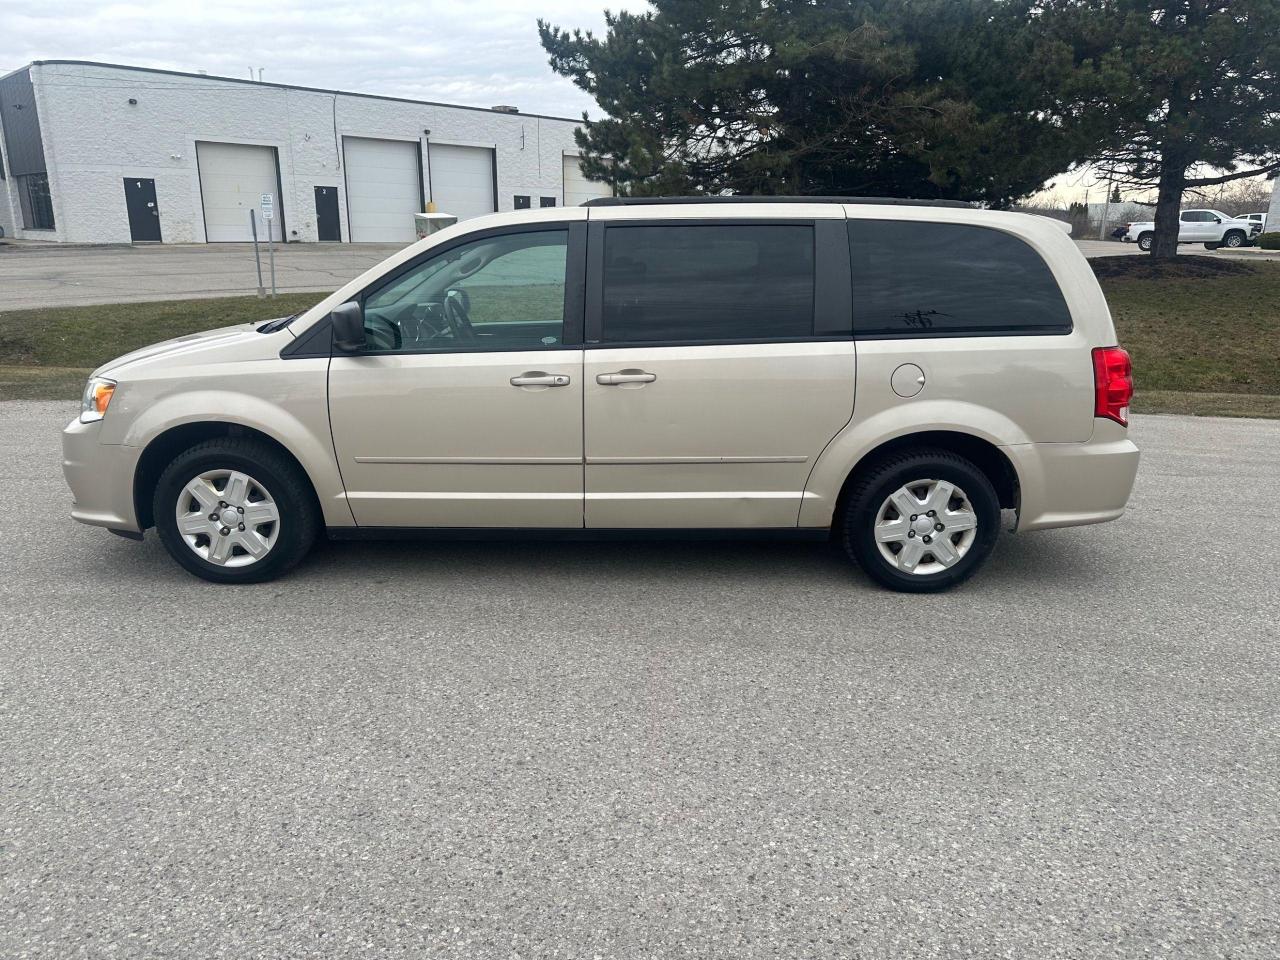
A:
{"x":919,"y":98}
{"x":1198,"y":103}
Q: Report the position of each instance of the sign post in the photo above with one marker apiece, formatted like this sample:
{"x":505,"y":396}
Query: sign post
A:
{"x":269,"y":214}
{"x":257,"y":259}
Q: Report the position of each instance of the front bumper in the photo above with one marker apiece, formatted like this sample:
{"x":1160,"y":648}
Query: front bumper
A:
{"x":1071,"y":484}
{"x":100,"y":476}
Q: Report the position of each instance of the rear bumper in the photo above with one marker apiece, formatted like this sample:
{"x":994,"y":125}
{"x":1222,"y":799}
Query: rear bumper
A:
{"x":100,"y":476}
{"x":1071,"y":484}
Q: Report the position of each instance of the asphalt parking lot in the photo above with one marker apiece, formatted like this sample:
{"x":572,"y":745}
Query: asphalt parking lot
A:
{"x":1109,"y":248}
{"x":48,"y":275}
{"x":649,"y":750}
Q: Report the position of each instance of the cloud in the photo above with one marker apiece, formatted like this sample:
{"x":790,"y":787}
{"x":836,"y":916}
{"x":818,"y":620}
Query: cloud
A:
{"x":479,"y":54}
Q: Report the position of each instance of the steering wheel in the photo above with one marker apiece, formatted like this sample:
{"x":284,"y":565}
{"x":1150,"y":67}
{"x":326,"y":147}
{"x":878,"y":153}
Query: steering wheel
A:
{"x":456,"y":308}
{"x":381,"y":334}
{"x":429,"y":322}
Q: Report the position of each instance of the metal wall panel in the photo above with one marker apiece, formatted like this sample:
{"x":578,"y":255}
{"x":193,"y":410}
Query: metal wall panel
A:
{"x":21,"y":124}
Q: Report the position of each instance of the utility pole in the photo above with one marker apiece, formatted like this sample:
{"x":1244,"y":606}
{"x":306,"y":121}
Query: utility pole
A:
{"x":1106,"y":207}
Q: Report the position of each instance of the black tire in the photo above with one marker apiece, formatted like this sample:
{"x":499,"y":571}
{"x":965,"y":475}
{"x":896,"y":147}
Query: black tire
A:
{"x":874,"y":485}
{"x":1212,"y":246}
{"x":299,"y":521}
{"x":1234,"y":238}
{"x":1146,"y":240}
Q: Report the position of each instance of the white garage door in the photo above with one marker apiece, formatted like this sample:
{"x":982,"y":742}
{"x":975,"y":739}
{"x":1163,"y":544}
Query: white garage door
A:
{"x":461,"y":180}
{"x":577,"y":188}
{"x":233,"y":178}
{"x":383,"y":189}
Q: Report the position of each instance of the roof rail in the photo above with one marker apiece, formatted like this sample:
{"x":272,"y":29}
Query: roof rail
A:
{"x":870,"y":201}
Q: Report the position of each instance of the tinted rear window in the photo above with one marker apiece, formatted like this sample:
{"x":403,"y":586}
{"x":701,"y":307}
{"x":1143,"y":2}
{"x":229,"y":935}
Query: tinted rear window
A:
{"x":947,"y":279}
{"x":707,"y":283}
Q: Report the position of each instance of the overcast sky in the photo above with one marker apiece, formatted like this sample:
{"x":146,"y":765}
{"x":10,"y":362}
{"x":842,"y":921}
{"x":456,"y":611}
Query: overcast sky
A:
{"x":475,"y":52}
{"x":480,"y":53}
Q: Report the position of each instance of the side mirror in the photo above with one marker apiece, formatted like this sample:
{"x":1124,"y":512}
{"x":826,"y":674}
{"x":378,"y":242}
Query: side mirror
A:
{"x":1217,"y":219}
{"x":348,"y":327}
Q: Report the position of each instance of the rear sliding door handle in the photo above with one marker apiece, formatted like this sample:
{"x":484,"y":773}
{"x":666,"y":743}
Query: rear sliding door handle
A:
{"x":625,"y":376}
{"x":537,"y":379}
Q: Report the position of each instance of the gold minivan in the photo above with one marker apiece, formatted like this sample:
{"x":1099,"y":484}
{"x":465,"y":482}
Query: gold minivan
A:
{"x":890,"y":374}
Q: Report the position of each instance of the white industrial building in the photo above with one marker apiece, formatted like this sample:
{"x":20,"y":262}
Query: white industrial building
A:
{"x":100,"y":153}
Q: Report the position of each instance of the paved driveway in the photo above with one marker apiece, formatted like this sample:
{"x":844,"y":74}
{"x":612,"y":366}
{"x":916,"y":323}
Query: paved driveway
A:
{"x":662,"y":750}
{"x":36,"y":276}
{"x":1110,"y":248}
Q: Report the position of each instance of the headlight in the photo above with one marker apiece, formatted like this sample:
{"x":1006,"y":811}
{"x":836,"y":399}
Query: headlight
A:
{"x":97,"y":395}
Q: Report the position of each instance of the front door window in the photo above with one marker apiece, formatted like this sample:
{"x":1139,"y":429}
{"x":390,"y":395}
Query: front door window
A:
{"x":498,"y":293}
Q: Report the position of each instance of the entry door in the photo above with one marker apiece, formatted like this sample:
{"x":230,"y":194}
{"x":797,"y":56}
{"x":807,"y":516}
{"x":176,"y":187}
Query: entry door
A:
{"x":710,"y":386}
{"x":144,"y":213}
{"x":466,"y":411}
{"x":327,"y":217}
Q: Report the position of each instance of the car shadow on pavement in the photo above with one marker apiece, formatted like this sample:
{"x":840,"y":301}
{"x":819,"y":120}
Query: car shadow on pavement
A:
{"x":1040,"y":560}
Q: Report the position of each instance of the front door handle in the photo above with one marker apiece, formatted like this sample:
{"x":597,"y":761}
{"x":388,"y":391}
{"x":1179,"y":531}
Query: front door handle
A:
{"x":538,"y":379}
{"x":625,"y":376}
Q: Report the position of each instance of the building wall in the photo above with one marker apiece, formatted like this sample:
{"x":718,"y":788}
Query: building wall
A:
{"x":94,"y":138}
{"x":24,"y":148}
{"x":20,"y":121}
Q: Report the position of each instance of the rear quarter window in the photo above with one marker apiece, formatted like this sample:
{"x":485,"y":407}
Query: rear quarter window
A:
{"x":919,"y":279}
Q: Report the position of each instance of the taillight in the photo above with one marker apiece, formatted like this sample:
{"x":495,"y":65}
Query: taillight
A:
{"x":1112,"y":384}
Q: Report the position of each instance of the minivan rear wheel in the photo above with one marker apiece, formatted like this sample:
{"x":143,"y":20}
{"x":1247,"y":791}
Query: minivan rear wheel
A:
{"x":921,"y":521}
{"x":235,"y":511}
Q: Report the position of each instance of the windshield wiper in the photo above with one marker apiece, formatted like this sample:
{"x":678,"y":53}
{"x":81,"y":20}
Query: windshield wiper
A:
{"x":271,"y":326}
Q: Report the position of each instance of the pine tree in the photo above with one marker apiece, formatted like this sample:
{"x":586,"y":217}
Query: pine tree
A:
{"x":1189,"y":92}
{"x":919,"y":98}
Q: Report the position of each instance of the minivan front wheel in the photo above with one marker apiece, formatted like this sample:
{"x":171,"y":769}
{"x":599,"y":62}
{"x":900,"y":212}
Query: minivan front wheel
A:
{"x":234,"y":511}
{"x":921,"y":521}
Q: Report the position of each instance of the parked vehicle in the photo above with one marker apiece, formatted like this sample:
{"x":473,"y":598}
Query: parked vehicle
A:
{"x":1257,"y":218}
{"x":640,"y":367}
{"x":1211,"y":227}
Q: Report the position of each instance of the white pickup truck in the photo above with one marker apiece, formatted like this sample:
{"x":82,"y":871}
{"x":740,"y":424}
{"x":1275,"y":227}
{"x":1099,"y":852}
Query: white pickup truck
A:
{"x":1211,"y":227}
